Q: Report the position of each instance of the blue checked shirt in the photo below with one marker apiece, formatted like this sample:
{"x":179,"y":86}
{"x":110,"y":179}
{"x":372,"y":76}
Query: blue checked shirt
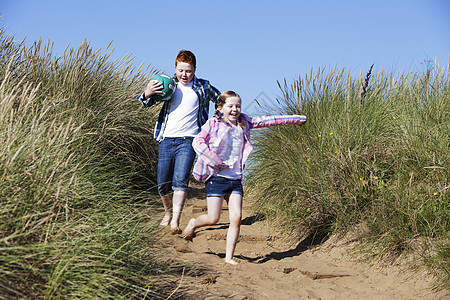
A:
{"x":205,"y":92}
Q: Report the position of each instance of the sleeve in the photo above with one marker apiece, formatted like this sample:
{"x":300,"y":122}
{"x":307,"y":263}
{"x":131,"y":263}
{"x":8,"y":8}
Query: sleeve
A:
{"x":145,"y":102}
{"x":201,"y":146}
{"x":213,"y":94}
{"x":266,"y":121}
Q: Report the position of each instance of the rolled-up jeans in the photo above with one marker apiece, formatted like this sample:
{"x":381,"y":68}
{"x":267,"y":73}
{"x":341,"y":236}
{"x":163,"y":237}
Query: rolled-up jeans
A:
{"x":175,"y":159}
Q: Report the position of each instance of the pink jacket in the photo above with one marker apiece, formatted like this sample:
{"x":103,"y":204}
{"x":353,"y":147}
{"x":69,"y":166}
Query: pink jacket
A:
{"x":206,"y":144}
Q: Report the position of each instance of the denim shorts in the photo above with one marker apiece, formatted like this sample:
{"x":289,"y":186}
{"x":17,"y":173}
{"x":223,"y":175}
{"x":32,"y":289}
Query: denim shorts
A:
{"x":217,"y":186}
{"x":175,"y":159}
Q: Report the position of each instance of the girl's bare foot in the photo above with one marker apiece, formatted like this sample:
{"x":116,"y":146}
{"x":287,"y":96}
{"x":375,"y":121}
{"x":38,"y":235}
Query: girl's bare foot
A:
{"x":166,"y":219}
{"x":231,"y":262}
{"x":189,"y":230}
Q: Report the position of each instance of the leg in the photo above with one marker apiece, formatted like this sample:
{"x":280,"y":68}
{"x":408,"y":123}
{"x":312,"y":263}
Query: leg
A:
{"x":214,"y":205}
{"x":184,"y":156}
{"x":235,"y":212}
{"x":178,"y":202}
{"x":167,"y":203}
{"x":164,"y":178}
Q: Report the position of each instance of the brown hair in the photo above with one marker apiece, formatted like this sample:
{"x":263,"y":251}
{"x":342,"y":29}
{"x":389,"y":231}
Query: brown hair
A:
{"x":186,"y":56}
{"x":221,"y":101}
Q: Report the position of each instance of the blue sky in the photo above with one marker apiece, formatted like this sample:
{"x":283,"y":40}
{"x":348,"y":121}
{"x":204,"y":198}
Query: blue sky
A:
{"x":245,"y":46}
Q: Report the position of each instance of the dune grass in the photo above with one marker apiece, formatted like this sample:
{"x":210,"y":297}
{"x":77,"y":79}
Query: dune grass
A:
{"x":374,"y":153}
{"x":77,"y":160}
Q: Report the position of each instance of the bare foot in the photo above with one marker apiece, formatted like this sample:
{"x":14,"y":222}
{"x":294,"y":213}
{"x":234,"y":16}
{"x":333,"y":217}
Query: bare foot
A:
{"x":189,"y":230}
{"x":166,"y":220}
{"x":231,"y":262}
{"x":175,"y":231}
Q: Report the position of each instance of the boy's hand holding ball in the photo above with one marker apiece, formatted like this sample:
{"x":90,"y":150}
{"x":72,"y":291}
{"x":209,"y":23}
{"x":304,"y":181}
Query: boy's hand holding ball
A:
{"x":153,"y":87}
{"x":161,"y":87}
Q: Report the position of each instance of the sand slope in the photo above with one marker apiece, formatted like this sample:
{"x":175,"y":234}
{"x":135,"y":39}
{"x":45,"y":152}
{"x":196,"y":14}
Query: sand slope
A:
{"x":272,"y":268}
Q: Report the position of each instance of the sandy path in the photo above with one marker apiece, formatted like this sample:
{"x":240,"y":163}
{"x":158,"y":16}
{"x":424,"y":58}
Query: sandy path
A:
{"x":272,"y":268}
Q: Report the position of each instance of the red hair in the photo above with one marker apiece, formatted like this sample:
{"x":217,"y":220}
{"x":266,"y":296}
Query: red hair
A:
{"x":186,"y":56}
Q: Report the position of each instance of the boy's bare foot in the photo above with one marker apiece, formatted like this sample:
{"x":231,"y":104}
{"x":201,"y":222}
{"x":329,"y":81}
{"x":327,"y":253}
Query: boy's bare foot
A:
{"x":189,"y":230}
{"x":231,"y":262}
{"x":175,"y":231}
{"x":166,"y":220}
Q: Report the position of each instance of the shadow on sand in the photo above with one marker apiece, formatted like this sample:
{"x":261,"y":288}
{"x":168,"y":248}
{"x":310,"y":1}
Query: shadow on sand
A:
{"x":316,"y":238}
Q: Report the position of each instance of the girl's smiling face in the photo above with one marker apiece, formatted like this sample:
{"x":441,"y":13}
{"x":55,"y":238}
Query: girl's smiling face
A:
{"x":232,"y":109}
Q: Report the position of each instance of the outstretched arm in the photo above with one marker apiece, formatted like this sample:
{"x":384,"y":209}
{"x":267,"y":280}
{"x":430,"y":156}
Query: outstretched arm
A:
{"x":266,"y":121}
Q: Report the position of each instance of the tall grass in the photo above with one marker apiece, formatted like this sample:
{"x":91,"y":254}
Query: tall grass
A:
{"x":76,"y":164}
{"x":374,"y":152}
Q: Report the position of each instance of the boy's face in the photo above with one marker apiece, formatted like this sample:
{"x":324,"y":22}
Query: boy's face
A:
{"x":231,"y":109}
{"x":184,"y":72}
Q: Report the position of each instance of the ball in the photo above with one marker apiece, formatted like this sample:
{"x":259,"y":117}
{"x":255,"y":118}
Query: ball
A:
{"x":168,"y":87}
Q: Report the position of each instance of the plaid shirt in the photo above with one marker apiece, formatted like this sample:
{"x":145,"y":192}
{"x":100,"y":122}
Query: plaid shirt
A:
{"x":205,"y":92}
{"x":207,"y":143}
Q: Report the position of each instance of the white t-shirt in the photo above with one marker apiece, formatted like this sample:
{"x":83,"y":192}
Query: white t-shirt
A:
{"x":230,"y":151}
{"x":182,"y":120}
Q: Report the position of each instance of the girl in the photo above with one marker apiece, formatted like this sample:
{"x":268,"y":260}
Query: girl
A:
{"x":223,"y":146}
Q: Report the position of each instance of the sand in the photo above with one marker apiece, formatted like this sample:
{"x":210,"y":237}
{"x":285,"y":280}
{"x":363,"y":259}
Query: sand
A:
{"x":271,"y":267}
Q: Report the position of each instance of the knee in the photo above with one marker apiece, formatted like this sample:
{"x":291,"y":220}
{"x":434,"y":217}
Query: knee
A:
{"x":213,"y":220}
{"x":235,"y":219}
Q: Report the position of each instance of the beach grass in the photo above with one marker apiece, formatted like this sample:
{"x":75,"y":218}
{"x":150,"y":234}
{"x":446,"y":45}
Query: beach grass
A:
{"x":77,"y":165}
{"x":374,"y":154}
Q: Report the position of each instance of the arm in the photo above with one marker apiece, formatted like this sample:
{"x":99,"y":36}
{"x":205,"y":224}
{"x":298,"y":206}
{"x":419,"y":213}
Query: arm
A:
{"x":201,"y":147}
{"x":266,"y":121}
{"x":213,"y":94}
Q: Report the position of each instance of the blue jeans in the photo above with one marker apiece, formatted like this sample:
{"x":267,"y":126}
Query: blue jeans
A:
{"x":175,"y":159}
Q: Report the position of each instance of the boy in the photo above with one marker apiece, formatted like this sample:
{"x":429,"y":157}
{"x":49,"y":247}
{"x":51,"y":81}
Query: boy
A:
{"x":178,"y":123}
